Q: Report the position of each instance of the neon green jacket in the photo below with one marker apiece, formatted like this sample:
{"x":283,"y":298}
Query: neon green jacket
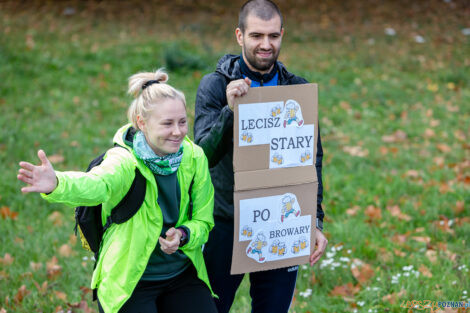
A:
{"x":126,"y":248}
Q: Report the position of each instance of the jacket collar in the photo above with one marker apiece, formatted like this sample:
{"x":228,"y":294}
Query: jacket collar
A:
{"x":256,"y":76}
{"x":229,"y":66}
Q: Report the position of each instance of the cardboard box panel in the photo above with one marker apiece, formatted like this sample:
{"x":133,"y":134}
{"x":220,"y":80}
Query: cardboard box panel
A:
{"x":274,"y":178}
{"x":271,"y":215}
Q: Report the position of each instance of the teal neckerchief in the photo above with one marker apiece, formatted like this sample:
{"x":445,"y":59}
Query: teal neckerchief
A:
{"x":164,"y":165}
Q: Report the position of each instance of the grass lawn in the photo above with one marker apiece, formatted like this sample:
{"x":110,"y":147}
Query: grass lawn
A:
{"x":394,"y":84}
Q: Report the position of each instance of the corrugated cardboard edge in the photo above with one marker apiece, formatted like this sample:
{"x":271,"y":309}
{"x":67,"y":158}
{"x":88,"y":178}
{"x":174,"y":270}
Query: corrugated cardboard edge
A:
{"x":287,"y":176}
{"x":243,"y":264}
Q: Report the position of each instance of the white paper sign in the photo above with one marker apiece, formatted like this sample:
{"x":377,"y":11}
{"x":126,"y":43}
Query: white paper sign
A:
{"x":256,"y":120}
{"x":281,"y":125}
{"x":291,"y":147}
{"x":279,"y":241}
{"x":274,"y":227}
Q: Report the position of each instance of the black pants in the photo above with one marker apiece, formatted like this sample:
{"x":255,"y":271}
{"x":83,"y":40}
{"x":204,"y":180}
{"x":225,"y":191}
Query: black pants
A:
{"x":270,"y":291}
{"x":184,"y":293}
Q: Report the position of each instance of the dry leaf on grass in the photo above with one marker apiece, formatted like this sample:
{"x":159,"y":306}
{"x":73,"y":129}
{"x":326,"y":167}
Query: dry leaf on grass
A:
{"x":373,"y":213}
{"x":363,"y":273}
{"x":7,"y":259}
{"x":396,"y":212}
{"x":5,"y":212}
{"x":347,"y":291}
{"x":56,"y":158}
{"x":353,"y":211}
{"x":53,"y":268}
{"x":65,"y":250}
{"x":22,"y":292}
{"x":56,"y":218}
{"x":425,"y":271}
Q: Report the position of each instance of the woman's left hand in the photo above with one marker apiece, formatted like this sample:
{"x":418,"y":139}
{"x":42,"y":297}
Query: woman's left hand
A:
{"x":171,"y":243}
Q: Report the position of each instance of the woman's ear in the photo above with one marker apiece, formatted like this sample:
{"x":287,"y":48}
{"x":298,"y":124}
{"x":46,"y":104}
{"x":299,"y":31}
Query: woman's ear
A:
{"x":141,"y":123}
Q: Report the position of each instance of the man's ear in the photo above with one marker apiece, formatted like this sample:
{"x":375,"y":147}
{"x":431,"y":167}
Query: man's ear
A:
{"x":239,"y":36}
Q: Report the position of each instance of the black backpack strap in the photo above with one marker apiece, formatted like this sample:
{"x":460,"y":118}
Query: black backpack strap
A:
{"x":190,"y":209}
{"x":130,"y":204}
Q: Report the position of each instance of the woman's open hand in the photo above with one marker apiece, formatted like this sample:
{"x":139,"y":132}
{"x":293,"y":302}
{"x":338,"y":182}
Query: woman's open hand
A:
{"x":40,"y":178}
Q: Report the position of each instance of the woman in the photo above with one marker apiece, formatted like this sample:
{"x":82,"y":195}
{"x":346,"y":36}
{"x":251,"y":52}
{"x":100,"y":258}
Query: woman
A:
{"x":153,"y":262}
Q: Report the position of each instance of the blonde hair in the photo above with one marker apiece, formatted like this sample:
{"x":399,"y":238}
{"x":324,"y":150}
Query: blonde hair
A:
{"x":149,"y":89}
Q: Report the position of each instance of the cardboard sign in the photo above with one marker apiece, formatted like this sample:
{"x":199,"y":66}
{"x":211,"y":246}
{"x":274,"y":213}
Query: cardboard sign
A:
{"x":275,"y":136}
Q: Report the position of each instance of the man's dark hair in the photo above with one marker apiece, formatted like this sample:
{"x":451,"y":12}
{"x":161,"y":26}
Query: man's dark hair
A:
{"x":263,"y":9}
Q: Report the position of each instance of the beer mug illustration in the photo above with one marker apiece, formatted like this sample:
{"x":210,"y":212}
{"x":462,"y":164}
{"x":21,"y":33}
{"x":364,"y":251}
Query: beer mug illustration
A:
{"x":273,"y":112}
{"x":244,"y":136}
{"x":303,"y":158}
{"x":303,"y":243}
{"x":281,"y":249}
{"x":274,"y":247}
{"x":307,"y":155}
{"x":277,"y":158}
{"x":296,"y":247}
{"x":245,"y":230}
{"x":249,"y":232}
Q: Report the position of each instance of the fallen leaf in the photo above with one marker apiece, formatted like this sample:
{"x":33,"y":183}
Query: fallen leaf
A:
{"x":60,"y":295}
{"x":374,"y":213}
{"x":43,"y":288}
{"x":412,"y":174}
{"x":22,"y":292}
{"x":425,"y":271}
{"x":27,"y":275}
{"x":431,"y":255}
{"x":56,"y":158}
{"x":459,"y":207}
{"x":82,"y":305}
{"x":356,"y":151}
{"x":35,"y":266}
{"x":439,"y":161}
{"x":429,"y":133}
{"x":345,"y":105}
{"x":56,"y":218}
{"x":442,"y":246}
{"x":434,"y":123}
{"x":346,"y":291}
{"x":7,"y":259}
{"x":72,"y":239}
{"x":424,"y":239}
{"x":443,"y":147}
{"x":399,"y":253}
{"x":53,"y":268}
{"x":353,"y":211}
{"x":6,"y":213}
{"x":65,"y":250}
{"x":398,"y":238}
{"x":398,"y":136}
{"x":363,"y":273}
{"x":396,"y":212}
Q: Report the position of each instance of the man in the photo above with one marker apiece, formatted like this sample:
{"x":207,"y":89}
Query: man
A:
{"x":259,"y":34}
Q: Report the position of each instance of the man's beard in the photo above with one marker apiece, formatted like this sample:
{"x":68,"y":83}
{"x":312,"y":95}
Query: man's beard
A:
{"x":259,"y":65}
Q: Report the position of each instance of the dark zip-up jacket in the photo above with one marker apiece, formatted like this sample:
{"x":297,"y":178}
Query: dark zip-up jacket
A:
{"x":213,"y":131}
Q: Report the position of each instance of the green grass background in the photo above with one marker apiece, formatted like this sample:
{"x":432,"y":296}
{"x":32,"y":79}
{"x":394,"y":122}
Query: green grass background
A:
{"x":63,"y":79}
